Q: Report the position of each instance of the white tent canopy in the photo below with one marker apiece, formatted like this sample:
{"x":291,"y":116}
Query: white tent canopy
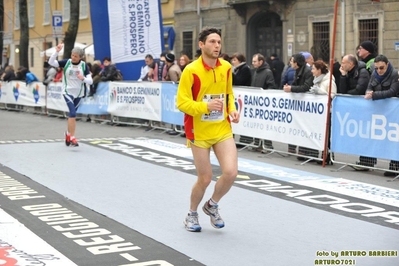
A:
{"x":89,"y":50}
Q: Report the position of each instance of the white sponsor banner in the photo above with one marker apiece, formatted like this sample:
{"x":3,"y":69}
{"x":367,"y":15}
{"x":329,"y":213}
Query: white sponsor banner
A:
{"x":16,"y":246}
{"x":17,"y":92}
{"x":55,"y":99}
{"x":293,"y":118}
{"x":3,"y":92}
{"x":134,"y":29}
{"x":136,"y":100}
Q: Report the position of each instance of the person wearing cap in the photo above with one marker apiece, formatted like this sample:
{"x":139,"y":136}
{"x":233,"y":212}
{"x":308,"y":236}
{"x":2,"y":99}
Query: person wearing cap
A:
{"x":366,"y":52}
{"x":308,"y":58}
{"x":173,"y":71}
{"x":76,"y":76}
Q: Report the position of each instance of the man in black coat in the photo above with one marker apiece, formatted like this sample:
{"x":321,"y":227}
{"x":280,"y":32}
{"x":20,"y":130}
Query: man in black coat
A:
{"x":383,"y":84}
{"x":262,"y":75}
{"x":354,"y":76}
{"x":110,"y":72}
{"x":354,"y":80}
{"x":277,"y":67}
{"x":303,"y":80}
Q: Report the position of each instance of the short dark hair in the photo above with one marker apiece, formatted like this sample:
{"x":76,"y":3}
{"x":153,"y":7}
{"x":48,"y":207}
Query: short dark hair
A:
{"x":149,"y":56}
{"x":240,"y":57}
{"x":203,"y":35}
{"x":319,"y":64}
{"x":299,"y":59}
{"x":259,"y":56}
{"x":381,"y":58}
{"x":107,"y":59}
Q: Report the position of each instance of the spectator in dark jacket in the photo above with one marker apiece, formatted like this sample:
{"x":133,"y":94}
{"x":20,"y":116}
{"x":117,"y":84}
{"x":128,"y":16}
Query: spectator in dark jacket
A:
{"x":20,"y":74}
{"x":354,"y":76}
{"x":383,"y":84}
{"x":287,"y":77}
{"x":303,"y":80}
{"x":109,"y":72}
{"x":241,"y":71}
{"x":354,"y":80}
{"x":366,"y":52}
{"x":336,"y":73}
{"x":262,"y":75}
{"x":277,"y":67}
{"x":382,"y":79}
{"x":9,"y":73}
{"x":96,"y":76}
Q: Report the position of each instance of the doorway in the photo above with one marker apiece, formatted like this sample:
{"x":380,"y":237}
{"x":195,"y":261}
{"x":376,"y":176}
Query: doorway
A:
{"x":265,"y":35}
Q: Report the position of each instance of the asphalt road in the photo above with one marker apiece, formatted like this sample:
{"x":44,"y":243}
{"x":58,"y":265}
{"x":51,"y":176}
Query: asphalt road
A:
{"x":120,"y":199}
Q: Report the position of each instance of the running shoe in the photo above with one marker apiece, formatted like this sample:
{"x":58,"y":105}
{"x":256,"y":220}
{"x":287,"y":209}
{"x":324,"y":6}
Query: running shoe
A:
{"x":67,"y":139}
{"x":74,"y":143}
{"x":191,"y":223}
{"x":213,"y":212}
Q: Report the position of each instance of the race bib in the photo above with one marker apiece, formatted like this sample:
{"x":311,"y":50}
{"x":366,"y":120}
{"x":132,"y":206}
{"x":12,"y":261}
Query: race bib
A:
{"x":74,"y":72}
{"x":213,"y":115}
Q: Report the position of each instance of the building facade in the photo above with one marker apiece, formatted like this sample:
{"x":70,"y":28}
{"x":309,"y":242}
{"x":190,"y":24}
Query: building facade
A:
{"x":286,"y":27}
{"x":283,"y":27}
{"x":40,"y":14}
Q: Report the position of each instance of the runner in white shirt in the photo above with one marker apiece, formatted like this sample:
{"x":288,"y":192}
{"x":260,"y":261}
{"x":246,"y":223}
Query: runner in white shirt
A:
{"x":76,"y":75}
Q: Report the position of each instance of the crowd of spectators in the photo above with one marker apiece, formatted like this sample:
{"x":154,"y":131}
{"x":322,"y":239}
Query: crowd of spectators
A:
{"x":362,"y":73}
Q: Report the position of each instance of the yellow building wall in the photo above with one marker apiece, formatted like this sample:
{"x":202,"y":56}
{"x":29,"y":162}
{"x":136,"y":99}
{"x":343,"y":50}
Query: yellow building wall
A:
{"x":168,"y":12}
{"x":41,"y":32}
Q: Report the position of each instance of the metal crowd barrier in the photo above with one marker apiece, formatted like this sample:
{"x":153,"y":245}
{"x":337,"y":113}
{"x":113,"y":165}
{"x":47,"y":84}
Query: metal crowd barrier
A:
{"x":243,"y":142}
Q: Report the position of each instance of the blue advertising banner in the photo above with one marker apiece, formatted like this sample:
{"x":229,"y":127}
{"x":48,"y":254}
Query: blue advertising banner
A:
{"x":365,"y":127}
{"x":98,"y":104}
{"x":169,"y":111}
{"x":127,"y":31}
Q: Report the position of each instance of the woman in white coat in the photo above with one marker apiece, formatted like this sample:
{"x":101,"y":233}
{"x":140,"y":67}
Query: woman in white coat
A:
{"x":321,"y":83}
{"x":321,"y":80}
